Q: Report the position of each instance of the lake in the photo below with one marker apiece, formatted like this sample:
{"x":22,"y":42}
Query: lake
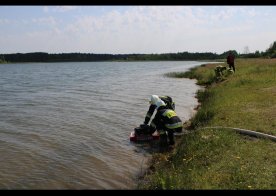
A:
{"x":67,"y":125}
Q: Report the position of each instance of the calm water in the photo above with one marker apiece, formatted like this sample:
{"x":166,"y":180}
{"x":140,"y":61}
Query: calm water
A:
{"x":67,"y":125}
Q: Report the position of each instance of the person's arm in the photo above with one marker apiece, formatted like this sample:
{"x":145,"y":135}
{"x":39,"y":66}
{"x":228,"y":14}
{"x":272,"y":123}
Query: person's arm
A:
{"x":155,"y":123}
{"x":149,"y":114}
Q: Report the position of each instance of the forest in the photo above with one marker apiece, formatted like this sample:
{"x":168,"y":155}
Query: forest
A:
{"x":88,"y":57}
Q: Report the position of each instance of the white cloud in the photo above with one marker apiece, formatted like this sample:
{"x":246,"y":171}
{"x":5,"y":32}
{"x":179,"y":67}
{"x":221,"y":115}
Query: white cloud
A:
{"x":45,"y":9}
{"x":151,"y":29}
{"x":4,"y":21}
{"x":45,"y":20}
{"x":145,"y":29}
{"x":59,"y":8}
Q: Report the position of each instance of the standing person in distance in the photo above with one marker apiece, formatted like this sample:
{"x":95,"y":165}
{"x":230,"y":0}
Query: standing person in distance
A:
{"x":231,"y":61}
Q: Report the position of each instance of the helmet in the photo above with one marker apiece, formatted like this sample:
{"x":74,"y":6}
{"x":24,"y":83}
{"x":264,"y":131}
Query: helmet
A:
{"x":160,"y":103}
{"x":153,"y":99}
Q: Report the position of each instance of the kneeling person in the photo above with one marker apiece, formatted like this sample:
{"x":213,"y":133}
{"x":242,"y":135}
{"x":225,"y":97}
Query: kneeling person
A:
{"x":166,"y":120}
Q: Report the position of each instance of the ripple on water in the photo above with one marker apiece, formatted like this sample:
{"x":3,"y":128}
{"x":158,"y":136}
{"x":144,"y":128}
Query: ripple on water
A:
{"x":67,"y":125}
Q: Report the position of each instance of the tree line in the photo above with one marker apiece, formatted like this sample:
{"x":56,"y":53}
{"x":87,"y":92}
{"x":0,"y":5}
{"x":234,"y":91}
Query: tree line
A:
{"x":86,"y":57}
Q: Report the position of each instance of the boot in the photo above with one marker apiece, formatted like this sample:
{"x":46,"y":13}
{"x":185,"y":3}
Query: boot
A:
{"x":163,"y":143}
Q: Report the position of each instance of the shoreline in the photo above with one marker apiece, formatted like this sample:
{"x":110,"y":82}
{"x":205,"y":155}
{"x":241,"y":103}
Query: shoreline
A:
{"x":210,"y":158}
{"x":186,"y":125}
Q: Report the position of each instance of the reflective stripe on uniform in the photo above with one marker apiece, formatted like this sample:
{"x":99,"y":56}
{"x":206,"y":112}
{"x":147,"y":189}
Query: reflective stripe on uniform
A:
{"x":169,"y":113}
{"x":173,"y":126}
{"x":161,"y":132}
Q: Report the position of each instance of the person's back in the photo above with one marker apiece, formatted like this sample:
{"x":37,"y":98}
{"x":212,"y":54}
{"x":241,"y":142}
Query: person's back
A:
{"x":166,"y":120}
{"x":231,"y":60}
{"x":169,"y":118}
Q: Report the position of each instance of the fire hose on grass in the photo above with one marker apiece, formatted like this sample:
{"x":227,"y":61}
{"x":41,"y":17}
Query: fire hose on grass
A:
{"x":246,"y":132}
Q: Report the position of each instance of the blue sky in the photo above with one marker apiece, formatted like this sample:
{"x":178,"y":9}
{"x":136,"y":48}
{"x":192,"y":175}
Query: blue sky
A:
{"x":136,"y":29}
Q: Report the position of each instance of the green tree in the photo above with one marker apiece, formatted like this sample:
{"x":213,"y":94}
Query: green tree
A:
{"x":271,"y":51}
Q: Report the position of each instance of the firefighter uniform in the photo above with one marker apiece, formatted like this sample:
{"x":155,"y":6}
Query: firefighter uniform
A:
{"x":167,"y":100}
{"x":166,"y":120}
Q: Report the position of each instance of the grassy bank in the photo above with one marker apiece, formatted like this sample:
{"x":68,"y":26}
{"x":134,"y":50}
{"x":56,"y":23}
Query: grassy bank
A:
{"x":219,"y":158}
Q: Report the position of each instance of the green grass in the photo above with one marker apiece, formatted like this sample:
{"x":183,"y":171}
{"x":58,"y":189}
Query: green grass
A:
{"x":223,"y":159}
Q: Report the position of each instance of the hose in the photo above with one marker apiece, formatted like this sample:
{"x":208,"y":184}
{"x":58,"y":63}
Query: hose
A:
{"x":245,"y":131}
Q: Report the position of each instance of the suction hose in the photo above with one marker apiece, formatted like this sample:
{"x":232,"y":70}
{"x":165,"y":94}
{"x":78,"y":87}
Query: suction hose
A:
{"x":247,"y":132}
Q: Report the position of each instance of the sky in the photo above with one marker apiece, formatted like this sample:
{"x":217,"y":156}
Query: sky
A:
{"x":136,"y":29}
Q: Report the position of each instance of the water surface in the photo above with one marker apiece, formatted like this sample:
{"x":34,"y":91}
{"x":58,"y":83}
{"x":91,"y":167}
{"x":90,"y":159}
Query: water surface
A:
{"x":67,"y":125}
